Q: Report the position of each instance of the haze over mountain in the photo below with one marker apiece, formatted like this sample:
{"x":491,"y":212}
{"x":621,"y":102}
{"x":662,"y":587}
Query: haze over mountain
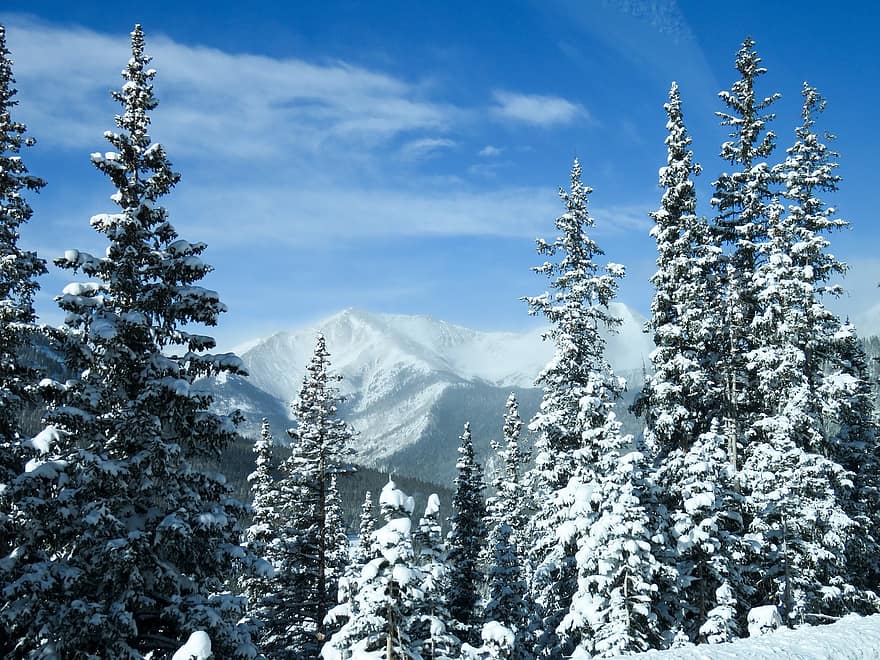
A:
{"x":411,"y":382}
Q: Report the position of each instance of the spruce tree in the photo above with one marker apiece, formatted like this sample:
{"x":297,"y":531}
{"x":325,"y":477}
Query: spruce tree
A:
{"x":467,"y":534}
{"x":19,"y":269}
{"x":366,"y":528}
{"x":508,"y":604}
{"x":432,"y":623}
{"x":128,"y":545}
{"x":320,"y":444}
{"x":576,"y":410}
{"x":741,"y":198}
{"x":387,"y":591}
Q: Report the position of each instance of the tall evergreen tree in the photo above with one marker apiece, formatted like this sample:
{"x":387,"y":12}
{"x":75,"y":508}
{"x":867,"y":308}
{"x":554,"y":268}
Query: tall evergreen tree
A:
{"x":576,"y":408}
{"x":467,"y":534}
{"x":508,"y":603}
{"x":682,"y":399}
{"x":741,"y":198}
{"x":320,"y":444}
{"x":387,"y":591}
{"x":128,"y":545}
{"x":366,"y":528}
{"x":510,"y":505}
{"x":432,"y":625}
{"x":19,"y":269}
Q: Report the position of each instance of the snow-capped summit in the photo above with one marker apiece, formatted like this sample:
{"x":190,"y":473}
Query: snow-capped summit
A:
{"x":410,"y":381}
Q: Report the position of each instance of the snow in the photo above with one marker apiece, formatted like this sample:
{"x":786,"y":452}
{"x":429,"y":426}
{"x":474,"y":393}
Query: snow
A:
{"x":851,"y":638}
{"x":763,"y":620}
{"x":44,"y":440}
{"x":393,"y":498}
{"x":197,"y":647}
{"x":397,"y":367}
{"x":433,"y":506}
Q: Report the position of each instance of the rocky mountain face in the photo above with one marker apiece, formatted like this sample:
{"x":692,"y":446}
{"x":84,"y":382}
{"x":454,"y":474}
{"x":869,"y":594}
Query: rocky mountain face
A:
{"x":411,"y":382}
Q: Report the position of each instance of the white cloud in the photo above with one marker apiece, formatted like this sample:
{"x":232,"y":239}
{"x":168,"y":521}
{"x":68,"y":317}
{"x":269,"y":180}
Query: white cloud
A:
{"x":536,"y":109}
{"x":490,"y":152}
{"x":213,"y":103}
{"x":425,"y":147}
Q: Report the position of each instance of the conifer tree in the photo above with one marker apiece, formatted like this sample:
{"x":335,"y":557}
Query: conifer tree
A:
{"x":508,"y":603}
{"x":128,"y":545}
{"x":262,"y":537}
{"x":466,"y":537}
{"x":366,"y":528}
{"x":337,"y":539}
{"x":682,"y":396}
{"x":432,"y":624}
{"x":19,"y":269}
{"x":741,"y":198}
{"x":320,"y":444}
{"x":576,"y":409}
{"x":386,"y":593}
{"x":510,"y":505}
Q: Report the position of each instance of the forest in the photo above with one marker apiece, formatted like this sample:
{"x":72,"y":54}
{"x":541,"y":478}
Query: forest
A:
{"x":750,"y":498}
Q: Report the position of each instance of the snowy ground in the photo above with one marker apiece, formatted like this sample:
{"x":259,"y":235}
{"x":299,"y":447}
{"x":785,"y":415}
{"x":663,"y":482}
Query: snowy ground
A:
{"x":851,"y":638}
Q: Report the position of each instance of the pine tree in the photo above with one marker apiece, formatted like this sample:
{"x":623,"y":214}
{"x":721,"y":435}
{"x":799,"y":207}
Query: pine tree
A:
{"x":741,"y":198}
{"x":320,"y":443}
{"x":848,"y":400}
{"x":432,"y":624}
{"x":682,"y":396}
{"x":262,"y":537}
{"x":387,"y":591}
{"x":508,"y":603}
{"x":337,"y":539}
{"x":367,"y":526}
{"x":579,"y":394}
{"x":19,"y":269}
{"x":128,"y":545}
{"x":613,"y":610}
{"x":466,"y":537}
{"x":510,"y":505}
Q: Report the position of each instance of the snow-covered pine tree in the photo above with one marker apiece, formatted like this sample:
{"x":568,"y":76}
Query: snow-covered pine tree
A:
{"x":579,"y":394}
{"x":467,"y":535}
{"x":741,"y":199}
{"x":19,"y":269}
{"x":128,"y":546}
{"x":432,"y":623}
{"x":263,"y":535}
{"x":705,"y":530}
{"x":320,"y":444}
{"x":367,"y":525}
{"x":511,"y":504}
{"x":613,"y":611}
{"x":387,"y":591}
{"x":683,"y":397}
{"x":337,"y":538}
{"x":848,"y":400}
{"x":508,"y":604}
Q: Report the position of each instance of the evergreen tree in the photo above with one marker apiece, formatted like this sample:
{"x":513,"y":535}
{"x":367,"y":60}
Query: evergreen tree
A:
{"x":510,"y":505}
{"x":466,"y":537}
{"x":682,"y":396}
{"x":508,"y":600}
{"x":320,"y":443}
{"x":127,"y":545}
{"x":613,"y":610}
{"x":575,"y":413}
{"x":367,"y":526}
{"x":18,"y":272}
{"x":337,"y":539}
{"x":432,"y":623}
{"x":262,"y":537}
{"x":741,"y":198}
{"x":387,"y":591}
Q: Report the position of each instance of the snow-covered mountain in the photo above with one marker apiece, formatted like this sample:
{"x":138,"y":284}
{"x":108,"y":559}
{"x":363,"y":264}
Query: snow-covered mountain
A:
{"x":411,"y":381}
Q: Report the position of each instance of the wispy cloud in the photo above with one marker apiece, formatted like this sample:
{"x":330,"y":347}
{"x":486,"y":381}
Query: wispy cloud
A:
{"x":490,"y":152}
{"x":536,"y":109}
{"x":213,"y":102}
{"x":425,"y":147}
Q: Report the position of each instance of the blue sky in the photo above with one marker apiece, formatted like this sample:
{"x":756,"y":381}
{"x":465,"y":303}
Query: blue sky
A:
{"x":403,"y":156}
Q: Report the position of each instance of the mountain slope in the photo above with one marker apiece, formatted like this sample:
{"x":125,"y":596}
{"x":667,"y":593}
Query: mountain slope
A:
{"x":410,"y":382}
